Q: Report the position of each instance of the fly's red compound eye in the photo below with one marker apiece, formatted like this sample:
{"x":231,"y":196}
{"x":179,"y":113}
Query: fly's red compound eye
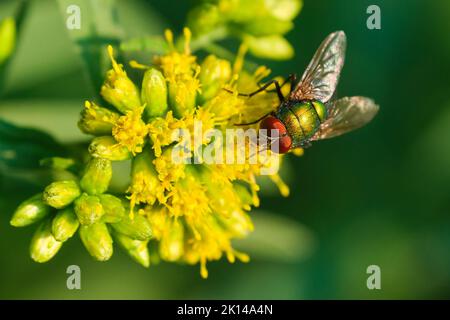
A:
{"x":284,"y":140}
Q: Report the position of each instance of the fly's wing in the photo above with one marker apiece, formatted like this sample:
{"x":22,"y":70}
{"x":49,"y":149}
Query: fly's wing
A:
{"x":322,"y":74}
{"x":346,"y":114}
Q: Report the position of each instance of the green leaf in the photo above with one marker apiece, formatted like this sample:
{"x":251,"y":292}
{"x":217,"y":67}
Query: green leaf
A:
{"x":98,"y":28}
{"x":22,"y":148}
{"x":277,"y":238}
{"x":147,"y":44}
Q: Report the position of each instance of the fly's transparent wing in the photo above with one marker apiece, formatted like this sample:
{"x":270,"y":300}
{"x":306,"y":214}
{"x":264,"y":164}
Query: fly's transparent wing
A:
{"x":346,"y":114}
{"x":322,"y":74}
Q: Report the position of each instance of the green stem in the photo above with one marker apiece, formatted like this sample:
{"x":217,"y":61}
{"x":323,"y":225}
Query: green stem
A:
{"x":208,"y":38}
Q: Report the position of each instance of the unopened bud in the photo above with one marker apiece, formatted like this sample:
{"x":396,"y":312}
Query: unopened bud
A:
{"x":59,"y":194}
{"x":266,"y":26}
{"x":97,"y":120}
{"x":88,"y":209}
{"x":65,"y":224}
{"x":154,"y":93}
{"x":213,"y":75}
{"x":136,"y":249}
{"x":271,"y":47}
{"x":137,"y":228}
{"x":43,"y":245}
{"x":106,"y":147}
{"x":118,"y":89}
{"x":30,"y":211}
{"x":182,"y":96}
{"x":7,"y":38}
{"x":114,"y":211}
{"x":203,"y":18}
{"x":97,"y":175}
{"x":97,"y":241}
{"x":284,"y":9}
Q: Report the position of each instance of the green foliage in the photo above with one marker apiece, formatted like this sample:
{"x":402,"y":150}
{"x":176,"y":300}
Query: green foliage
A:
{"x":99,"y":28}
{"x":23,"y":148}
{"x":391,"y":208}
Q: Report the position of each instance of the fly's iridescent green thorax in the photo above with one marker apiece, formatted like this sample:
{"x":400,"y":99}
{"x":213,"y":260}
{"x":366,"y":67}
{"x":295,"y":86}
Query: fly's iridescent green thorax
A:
{"x":302,"y":119}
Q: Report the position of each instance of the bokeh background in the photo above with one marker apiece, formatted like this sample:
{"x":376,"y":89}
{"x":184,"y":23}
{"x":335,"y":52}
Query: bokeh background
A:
{"x":380,"y":195}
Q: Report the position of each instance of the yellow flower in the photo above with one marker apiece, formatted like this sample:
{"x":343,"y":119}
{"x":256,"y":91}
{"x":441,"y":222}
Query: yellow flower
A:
{"x":97,"y":120}
{"x":212,"y":242}
{"x":130,"y":131}
{"x":181,"y":72}
{"x":160,"y":130}
{"x":145,"y":186}
{"x":193,"y":209}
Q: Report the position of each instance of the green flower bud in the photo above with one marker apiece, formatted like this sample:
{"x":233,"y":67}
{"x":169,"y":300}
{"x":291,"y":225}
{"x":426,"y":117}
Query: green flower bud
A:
{"x":171,"y":246}
{"x":284,"y":9}
{"x":97,"y":120}
{"x":7,"y":38}
{"x":88,"y":209}
{"x":30,"y":211}
{"x":43,"y":245}
{"x":106,"y":147}
{"x":203,"y":19}
{"x":113,"y":208}
{"x":182,"y":96}
{"x":137,"y":228}
{"x":243,"y":10}
{"x":270,"y":47}
{"x":59,"y":194}
{"x":137,"y":249}
{"x":118,"y":89}
{"x":65,"y":224}
{"x":97,"y":241}
{"x":96,"y":176}
{"x":154,"y":93}
{"x":266,"y":27}
{"x":213,"y":75}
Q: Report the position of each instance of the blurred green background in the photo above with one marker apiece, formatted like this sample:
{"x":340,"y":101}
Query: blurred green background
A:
{"x":377,"y":196}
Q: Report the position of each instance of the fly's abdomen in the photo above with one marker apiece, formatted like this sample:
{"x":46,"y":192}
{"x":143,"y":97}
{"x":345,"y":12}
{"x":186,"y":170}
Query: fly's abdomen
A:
{"x":302,"y":119}
{"x":291,"y":123}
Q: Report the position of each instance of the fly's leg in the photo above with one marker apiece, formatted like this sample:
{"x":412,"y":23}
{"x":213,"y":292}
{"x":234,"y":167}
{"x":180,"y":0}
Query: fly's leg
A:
{"x":292,"y":79}
{"x":253,"y":122}
{"x":263,"y":88}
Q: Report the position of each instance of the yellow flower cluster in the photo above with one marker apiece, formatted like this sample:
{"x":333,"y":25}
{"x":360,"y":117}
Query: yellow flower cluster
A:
{"x":191,"y":210}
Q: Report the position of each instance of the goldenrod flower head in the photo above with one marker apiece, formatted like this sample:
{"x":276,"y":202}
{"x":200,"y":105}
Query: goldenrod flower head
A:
{"x":177,"y":64}
{"x":209,"y":245}
{"x":130,"y":131}
{"x":169,"y":172}
{"x":191,"y":209}
{"x":118,"y":89}
{"x":145,"y":186}
{"x":181,"y":72}
{"x":160,"y":129}
{"x":188,"y":198}
{"x":97,"y":120}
